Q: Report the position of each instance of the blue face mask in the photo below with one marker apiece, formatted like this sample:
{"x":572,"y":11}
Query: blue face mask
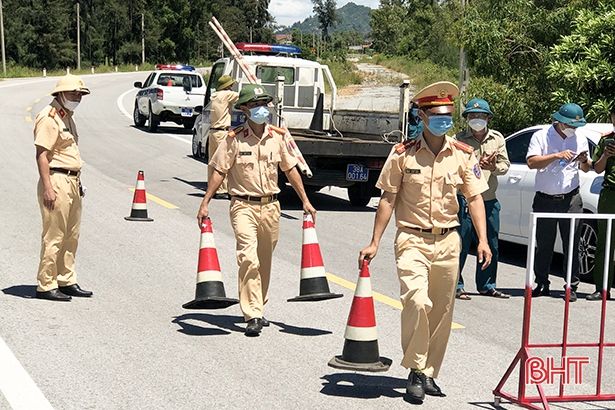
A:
{"x":259,"y":115}
{"x":440,"y":124}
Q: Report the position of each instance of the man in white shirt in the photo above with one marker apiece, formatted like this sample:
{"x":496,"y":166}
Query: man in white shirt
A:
{"x":557,"y":153}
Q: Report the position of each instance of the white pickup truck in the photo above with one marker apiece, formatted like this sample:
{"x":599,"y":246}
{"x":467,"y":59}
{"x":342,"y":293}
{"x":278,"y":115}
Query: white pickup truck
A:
{"x":171,"y":93}
{"x":343,"y":148}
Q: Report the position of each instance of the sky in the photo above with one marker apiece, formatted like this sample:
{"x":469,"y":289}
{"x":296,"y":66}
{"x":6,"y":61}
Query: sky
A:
{"x":286,"y":12}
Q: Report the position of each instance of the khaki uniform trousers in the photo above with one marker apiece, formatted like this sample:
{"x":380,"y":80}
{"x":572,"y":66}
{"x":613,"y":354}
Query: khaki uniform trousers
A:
{"x":215,"y":138}
{"x":427,"y":266}
{"x":60,"y":233}
{"x":256,"y":229}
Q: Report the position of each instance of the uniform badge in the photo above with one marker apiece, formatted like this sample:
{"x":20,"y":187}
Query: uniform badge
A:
{"x":476,"y":170}
{"x":244,"y":153}
{"x":413,"y":171}
{"x":258,"y":91}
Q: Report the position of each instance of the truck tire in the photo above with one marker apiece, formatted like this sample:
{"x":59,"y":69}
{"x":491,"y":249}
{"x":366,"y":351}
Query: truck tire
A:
{"x":360,"y":194}
{"x":138,"y":118}
{"x":152,"y":121}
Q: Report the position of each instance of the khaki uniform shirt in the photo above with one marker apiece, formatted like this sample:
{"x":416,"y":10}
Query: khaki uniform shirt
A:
{"x":493,"y":142}
{"x":221,"y":107}
{"x":55,"y":130}
{"x":426,"y":184}
{"x":251,"y":162}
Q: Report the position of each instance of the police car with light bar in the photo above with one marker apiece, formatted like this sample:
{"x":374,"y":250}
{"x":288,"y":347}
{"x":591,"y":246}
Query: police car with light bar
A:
{"x":172,"y":92}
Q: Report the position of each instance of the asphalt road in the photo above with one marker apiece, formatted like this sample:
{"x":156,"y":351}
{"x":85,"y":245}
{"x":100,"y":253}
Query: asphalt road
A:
{"x":132,"y":345}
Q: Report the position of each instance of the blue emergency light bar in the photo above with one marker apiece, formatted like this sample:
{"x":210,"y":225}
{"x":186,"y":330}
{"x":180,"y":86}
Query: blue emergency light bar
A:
{"x":268,"y":48}
{"x":179,"y":67}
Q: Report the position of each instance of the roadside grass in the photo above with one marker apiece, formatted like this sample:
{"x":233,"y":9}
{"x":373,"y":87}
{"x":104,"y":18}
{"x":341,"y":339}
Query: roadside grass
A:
{"x":421,"y":73}
{"x":344,"y":73}
{"x":17,"y":71}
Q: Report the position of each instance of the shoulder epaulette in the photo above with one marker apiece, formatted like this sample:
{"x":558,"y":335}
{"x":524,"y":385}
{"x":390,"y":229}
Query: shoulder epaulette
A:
{"x":52,"y":112}
{"x":404,"y":146}
{"x":278,"y":129}
{"x":232,"y":133}
{"x":498,"y":133}
{"x":462,"y":146}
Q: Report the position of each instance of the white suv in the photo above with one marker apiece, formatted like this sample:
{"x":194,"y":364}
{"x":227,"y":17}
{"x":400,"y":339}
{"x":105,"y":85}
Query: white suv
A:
{"x":171,"y":93}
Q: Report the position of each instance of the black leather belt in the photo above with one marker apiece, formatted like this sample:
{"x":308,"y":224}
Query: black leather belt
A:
{"x":260,"y":199}
{"x":68,"y":172}
{"x":220,"y":129}
{"x":435,"y":230}
{"x":559,"y":197}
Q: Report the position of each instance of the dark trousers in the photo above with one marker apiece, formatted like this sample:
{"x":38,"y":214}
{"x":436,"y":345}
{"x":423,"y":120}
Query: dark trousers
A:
{"x":546,"y":232}
{"x":485,"y":279}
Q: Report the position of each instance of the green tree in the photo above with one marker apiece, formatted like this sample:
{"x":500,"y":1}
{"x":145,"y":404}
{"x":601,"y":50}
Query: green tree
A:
{"x":325,"y":11}
{"x":582,"y":65}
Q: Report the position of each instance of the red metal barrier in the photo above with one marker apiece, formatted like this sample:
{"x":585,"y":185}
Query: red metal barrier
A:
{"x":541,"y":401}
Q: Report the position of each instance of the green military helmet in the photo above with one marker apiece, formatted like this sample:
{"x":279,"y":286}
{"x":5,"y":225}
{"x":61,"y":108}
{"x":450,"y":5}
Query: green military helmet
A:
{"x":224,"y":82}
{"x":477,"y":105}
{"x":570,"y":114}
{"x":252,"y":92}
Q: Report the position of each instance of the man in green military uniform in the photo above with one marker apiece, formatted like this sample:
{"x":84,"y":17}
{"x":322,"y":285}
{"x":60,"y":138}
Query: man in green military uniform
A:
{"x":604,"y":160}
{"x":490,"y":150}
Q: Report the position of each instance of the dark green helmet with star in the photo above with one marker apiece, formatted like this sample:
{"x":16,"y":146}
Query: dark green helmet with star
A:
{"x":252,"y":92}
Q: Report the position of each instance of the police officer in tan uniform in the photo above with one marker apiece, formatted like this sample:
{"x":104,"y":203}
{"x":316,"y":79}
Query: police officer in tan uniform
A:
{"x":59,"y":191}
{"x":420,"y":180}
{"x":249,"y":157}
{"x":222,"y":102}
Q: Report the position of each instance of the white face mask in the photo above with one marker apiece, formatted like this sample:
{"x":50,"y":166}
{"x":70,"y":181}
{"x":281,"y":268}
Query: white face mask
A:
{"x":68,"y":104}
{"x":477,"y":124}
{"x":568,"y":132}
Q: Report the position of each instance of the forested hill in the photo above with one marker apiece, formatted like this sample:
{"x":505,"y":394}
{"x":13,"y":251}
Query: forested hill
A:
{"x":44,"y":33}
{"x":351,"y":17}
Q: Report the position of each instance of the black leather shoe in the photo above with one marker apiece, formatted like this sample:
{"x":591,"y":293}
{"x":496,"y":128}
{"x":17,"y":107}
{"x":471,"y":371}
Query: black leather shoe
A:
{"x":432,"y":389}
{"x":597,"y":295}
{"x":415,"y":390}
{"x":75,"y":290}
{"x":254,"y":327}
{"x":265,"y":322}
{"x":573,"y":296}
{"x":541,"y":290}
{"x":53,"y":294}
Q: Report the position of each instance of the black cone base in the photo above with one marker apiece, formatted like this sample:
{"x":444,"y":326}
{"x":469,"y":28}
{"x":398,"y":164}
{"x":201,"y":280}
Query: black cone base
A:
{"x":130,"y":218}
{"x":139,"y":215}
{"x":382,"y":365}
{"x":314,"y":289}
{"x":210,"y":302}
{"x":315,"y":297}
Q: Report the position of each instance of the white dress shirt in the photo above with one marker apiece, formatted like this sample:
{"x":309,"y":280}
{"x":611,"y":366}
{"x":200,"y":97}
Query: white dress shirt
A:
{"x":559,"y":177}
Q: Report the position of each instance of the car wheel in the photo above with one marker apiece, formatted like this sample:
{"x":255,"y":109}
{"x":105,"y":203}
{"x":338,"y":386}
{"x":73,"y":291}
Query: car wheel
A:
{"x":189,"y":124}
{"x":196,"y":147}
{"x":138,"y":118}
{"x":152,"y":121}
{"x":587,"y":248}
{"x":360,"y":194}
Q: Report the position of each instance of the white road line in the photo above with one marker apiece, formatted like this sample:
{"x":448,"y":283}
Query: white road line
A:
{"x":120,"y":106}
{"x":16,"y":385}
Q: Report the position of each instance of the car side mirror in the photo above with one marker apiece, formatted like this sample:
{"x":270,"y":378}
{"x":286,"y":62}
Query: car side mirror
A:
{"x":198,"y":109}
{"x":187,"y":84}
{"x":138,"y":84}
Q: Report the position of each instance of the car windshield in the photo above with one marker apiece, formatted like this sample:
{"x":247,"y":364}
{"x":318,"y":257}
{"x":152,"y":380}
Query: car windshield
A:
{"x":177,"y":80}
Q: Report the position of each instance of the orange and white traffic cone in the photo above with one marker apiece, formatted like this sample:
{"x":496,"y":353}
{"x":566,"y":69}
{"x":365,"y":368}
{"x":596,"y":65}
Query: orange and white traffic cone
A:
{"x":313,"y":285}
{"x":210,"y":292}
{"x":139,"y":203}
{"x":361,"y":338}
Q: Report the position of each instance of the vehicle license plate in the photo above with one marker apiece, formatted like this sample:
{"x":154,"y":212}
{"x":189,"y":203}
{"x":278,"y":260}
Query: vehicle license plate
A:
{"x":357,"y":172}
{"x":186,"y":112}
